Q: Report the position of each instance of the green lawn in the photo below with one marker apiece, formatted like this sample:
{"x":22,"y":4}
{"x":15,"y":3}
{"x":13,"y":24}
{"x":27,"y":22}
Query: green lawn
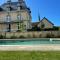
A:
{"x":24,"y":55}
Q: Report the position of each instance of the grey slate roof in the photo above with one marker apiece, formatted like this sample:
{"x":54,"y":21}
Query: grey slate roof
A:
{"x":14,"y":6}
{"x":1,"y":9}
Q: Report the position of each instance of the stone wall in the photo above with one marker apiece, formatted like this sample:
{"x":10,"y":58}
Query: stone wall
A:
{"x":31,"y":34}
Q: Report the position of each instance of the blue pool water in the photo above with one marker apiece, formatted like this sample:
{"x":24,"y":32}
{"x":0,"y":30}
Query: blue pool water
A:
{"x":29,"y":42}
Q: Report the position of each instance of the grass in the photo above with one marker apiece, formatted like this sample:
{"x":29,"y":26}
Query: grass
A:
{"x":32,"y":55}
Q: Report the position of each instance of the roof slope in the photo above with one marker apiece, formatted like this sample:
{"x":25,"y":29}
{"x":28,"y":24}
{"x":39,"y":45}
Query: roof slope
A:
{"x":1,"y":9}
{"x":47,"y":20}
{"x":14,"y":6}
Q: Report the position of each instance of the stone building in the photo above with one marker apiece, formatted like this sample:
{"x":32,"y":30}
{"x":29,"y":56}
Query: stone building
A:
{"x":44,"y":23}
{"x":15,"y":16}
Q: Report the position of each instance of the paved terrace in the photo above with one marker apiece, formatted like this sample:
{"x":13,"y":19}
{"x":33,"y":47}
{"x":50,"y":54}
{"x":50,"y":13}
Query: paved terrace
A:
{"x":42,"y":47}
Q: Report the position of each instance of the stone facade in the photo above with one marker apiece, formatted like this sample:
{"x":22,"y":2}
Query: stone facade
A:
{"x":17,"y":17}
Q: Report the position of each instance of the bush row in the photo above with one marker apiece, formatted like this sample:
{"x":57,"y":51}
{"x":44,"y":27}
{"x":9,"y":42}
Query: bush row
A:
{"x":44,"y":29}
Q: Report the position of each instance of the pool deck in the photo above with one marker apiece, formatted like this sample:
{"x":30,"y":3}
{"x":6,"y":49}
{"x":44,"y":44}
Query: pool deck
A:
{"x":43,"y":47}
{"x":34,"y":39}
{"x":27,"y":39}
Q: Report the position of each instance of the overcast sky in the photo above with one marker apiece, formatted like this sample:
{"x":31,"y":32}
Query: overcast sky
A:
{"x":47,"y":8}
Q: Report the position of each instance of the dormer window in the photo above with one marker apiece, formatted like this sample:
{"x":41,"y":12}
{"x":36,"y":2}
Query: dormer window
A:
{"x":1,"y":9}
{"x":21,"y":7}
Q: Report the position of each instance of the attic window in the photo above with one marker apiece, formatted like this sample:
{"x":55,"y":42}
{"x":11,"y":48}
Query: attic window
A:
{"x":1,"y":9}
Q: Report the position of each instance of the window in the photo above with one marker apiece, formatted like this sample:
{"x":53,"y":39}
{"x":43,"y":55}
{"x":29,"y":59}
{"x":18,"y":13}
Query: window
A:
{"x":21,"y":7}
{"x":8,"y":18}
{"x":19,"y":17}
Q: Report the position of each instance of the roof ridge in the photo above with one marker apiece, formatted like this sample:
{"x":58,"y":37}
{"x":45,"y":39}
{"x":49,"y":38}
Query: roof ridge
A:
{"x":47,"y":20}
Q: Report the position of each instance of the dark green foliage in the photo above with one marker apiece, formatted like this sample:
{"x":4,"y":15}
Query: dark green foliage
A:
{"x":52,"y":29}
{"x":56,"y":28}
{"x":49,"y":29}
{"x":35,"y":28}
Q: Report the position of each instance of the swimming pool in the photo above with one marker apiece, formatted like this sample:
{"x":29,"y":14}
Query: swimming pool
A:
{"x":28,"y":41}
